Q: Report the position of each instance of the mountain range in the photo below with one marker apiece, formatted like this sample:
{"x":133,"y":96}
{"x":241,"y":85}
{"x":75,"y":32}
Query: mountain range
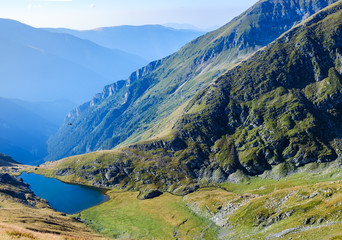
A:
{"x":38,"y":65}
{"x":150,"y":42}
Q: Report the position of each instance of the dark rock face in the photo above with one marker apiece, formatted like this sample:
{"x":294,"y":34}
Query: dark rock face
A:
{"x":134,"y":106}
{"x":149,"y":195}
{"x":64,"y":172}
{"x":102,"y":176}
{"x":175,"y":144}
{"x":13,"y":188}
{"x":8,"y":179}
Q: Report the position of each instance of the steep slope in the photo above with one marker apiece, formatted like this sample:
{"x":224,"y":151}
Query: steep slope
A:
{"x":150,"y":42}
{"x":6,"y":160}
{"x":23,"y":132}
{"x":278,"y":110}
{"x":282,"y":105}
{"x":40,"y":65}
{"x":144,"y":106}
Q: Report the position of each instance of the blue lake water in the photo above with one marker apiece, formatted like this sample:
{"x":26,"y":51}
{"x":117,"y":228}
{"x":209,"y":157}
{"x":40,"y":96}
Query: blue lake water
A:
{"x":67,"y":198}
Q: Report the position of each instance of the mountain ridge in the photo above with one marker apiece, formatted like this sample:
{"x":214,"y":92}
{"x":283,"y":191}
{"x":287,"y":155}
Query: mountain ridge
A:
{"x":150,"y":42}
{"x":153,"y":93}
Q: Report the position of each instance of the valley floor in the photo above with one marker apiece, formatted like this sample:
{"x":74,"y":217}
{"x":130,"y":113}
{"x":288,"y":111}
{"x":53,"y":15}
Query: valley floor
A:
{"x":305,"y":205}
{"x":292,"y":208}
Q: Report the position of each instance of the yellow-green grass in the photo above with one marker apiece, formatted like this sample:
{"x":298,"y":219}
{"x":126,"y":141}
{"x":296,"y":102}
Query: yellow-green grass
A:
{"x":208,"y":201}
{"x":330,"y":232}
{"x":304,"y":209}
{"x":293,"y":208}
{"x":25,"y":216}
{"x":312,"y":173}
{"x":164,"y":217}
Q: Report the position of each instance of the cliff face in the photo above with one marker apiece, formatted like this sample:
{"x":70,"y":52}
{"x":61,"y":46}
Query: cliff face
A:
{"x":279,"y":109}
{"x":136,"y":109}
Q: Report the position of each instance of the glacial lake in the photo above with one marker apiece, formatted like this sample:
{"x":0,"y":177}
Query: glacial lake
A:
{"x":64,"y":197}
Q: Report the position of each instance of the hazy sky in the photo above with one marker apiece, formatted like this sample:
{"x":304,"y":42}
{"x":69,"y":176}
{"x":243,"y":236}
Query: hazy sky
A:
{"x":87,"y":14}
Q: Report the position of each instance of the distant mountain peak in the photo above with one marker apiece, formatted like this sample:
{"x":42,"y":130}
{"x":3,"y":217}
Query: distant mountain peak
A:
{"x":150,"y":42}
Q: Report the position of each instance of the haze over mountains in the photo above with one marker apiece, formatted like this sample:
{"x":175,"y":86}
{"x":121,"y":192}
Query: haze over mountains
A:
{"x":46,"y":74}
{"x":190,"y":27}
{"x":23,"y":132}
{"x":150,"y":42}
{"x":39,"y":65}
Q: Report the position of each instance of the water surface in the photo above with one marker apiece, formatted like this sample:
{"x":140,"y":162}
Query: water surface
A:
{"x":64,"y":197}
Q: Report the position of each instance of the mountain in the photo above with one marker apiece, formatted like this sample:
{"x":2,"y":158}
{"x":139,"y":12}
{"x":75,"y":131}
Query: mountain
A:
{"x":189,"y":27}
{"x":274,"y":112}
{"x":6,"y":160}
{"x":23,"y":132}
{"x":278,"y":109}
{"x":147,"y":104}
{"x":39,"y":65}
{"x":150,"y":42}
{"x":257,"y":153}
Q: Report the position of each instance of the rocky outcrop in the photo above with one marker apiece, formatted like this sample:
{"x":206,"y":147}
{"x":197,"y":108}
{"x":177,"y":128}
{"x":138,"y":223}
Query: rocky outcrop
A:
{"x":64,"y":172}
{"x":175,"y":144}
{"x":149,"y":194}
{"x":11,"y":187}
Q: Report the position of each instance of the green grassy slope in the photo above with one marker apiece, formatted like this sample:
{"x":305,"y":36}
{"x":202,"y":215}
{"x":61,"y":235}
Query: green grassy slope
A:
{"x":299,"y":207}
{"x":269,"y":112}
{"x":140,"y":107}
{"x":165,"y":217}
{"x":282,"y":105}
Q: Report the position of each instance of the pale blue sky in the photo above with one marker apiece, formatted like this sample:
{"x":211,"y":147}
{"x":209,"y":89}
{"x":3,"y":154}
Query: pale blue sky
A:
{"x":88,"y":14}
